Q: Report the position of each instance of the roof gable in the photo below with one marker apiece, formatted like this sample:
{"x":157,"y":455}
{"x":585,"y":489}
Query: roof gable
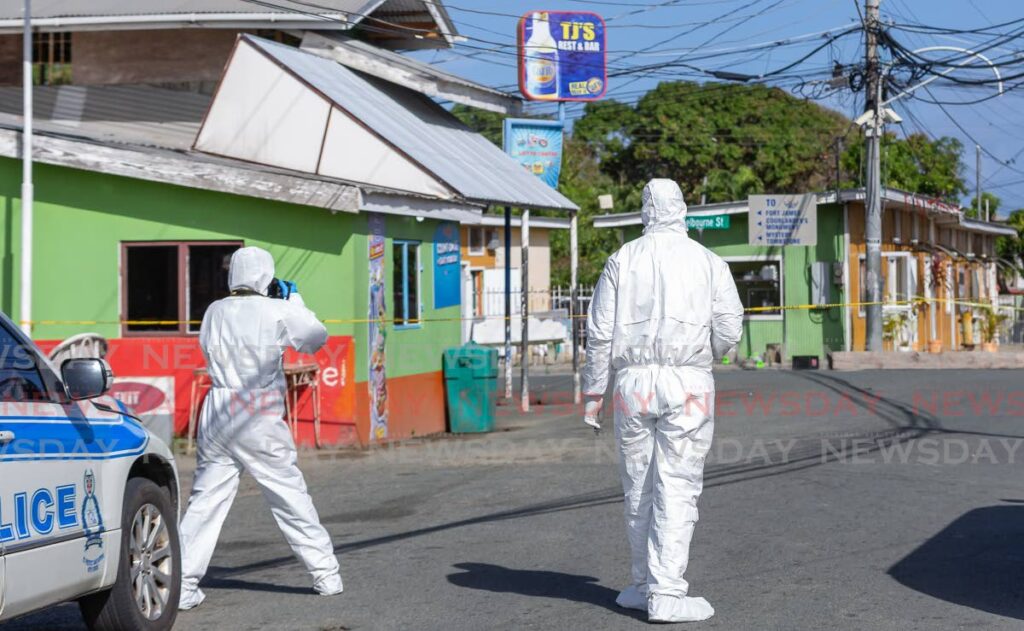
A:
{"x":427,"y":137}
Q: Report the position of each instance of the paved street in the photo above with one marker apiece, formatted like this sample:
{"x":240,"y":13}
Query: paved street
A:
{"x":873,"y":500}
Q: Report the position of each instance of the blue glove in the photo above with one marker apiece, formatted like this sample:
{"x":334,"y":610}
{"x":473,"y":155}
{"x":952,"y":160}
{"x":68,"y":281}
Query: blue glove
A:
{"x":282,"y":289}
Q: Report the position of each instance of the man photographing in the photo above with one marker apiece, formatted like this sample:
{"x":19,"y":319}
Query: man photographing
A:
{"x":241,"y":426}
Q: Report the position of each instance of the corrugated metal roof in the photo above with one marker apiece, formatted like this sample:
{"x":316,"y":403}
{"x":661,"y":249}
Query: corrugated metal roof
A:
{"x":47,"y":9}
{"x":422,"y":129}
{"x":128,"y":114}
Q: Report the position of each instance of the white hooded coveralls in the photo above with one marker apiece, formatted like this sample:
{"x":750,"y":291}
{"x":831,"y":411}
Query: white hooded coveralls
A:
{"x":664,"y":307}
{"x":242,"y":427}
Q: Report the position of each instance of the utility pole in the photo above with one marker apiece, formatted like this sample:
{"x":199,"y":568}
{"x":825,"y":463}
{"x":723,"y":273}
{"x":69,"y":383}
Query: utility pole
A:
{"x":873,"y":201}
{"x":508,"y":303}
{"x":27,"y":189}
{"x":977,"y":181}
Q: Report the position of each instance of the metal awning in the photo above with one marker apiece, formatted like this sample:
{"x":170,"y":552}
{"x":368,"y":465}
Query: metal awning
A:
{"x":987,"y":227}
{"x":410,"y":73}
{"x":283,"y":106}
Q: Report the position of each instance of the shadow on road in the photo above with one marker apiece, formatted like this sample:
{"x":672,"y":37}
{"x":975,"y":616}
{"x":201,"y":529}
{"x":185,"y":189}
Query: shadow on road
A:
{"x":976,"y":561}
{"x":539,"y":583}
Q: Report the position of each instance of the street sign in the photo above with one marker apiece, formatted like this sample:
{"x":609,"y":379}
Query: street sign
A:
{"x":537,"y":145}
{"x":562,"y":56}
{"x":708,"y":222}
{"x":776,"y":220}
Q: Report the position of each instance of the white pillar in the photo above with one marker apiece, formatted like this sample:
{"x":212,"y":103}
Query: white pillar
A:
{"x":575,"y":318}
{"x":27,"y":193}
{"x":524,"y":359}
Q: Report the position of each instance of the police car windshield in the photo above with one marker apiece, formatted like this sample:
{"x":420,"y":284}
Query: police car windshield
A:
{"x":20,"y":379}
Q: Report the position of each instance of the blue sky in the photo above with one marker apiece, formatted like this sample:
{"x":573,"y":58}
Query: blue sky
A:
{"x":643,"y":32}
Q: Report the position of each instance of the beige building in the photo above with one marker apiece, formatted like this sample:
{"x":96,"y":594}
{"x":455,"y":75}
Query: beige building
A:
{"x":483,"y":262}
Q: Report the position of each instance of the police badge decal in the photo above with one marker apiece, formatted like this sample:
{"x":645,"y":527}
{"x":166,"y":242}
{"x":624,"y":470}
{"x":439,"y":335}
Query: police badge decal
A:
{"x":92,"y":524}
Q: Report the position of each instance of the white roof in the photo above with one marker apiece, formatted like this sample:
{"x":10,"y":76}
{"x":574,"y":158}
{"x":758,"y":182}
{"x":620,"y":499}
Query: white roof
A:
{"x":553,"y":223}
{"x":285,"y":107}
{"x":892,"y":197}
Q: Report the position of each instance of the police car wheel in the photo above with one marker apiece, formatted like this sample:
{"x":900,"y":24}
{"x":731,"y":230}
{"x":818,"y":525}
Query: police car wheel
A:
{"x":145,"y":596}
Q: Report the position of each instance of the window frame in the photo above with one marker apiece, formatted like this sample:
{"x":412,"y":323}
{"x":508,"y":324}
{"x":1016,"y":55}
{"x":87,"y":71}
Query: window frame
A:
{"x":764,"y":258}
{"x":888,"y":281}
{"x":407,"y":322}
{"x":183,"y":283}
{"x":479,"y":249}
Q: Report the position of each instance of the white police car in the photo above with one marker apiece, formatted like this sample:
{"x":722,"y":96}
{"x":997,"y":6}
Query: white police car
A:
{"x":88,"y":498}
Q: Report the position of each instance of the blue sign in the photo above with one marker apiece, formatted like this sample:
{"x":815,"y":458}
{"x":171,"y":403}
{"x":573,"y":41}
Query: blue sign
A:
{"x":447,"y":266}
{"x":562,"y":56}
{"x":537,"y":145}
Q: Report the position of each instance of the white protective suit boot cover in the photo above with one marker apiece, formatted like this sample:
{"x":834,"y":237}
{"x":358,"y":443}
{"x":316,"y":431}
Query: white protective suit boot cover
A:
{"x":664,"y":426}
{"x":242,"y":427}
{"x":633,"y":597}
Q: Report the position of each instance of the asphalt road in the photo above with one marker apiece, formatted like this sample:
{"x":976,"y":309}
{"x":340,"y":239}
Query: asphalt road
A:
{"x":873,"y":500}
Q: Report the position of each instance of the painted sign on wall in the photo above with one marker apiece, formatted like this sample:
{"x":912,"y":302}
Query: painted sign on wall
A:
{"x":562,"y":56}
{"x":378,"y":330}
{"x":537,"y":145}
{"x":447,"y":265}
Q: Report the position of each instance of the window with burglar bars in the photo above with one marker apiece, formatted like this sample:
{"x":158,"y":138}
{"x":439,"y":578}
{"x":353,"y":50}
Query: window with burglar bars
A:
{"x":51,"y":58}
{"x":406,"y":283}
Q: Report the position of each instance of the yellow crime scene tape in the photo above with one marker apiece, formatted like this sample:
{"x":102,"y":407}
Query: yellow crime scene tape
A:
{"x":917,"y":300}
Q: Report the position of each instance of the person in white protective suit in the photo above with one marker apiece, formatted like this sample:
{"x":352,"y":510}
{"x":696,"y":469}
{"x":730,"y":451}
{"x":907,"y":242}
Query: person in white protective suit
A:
{"x":663,"y":309}
{"x":242,"y":427}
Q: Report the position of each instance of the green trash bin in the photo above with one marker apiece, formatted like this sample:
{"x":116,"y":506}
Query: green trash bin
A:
{"x":471,"y":388}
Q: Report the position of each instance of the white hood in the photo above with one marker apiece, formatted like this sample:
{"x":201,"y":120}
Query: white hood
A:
{"x":664,"y":209}
{"x":251,"y":268}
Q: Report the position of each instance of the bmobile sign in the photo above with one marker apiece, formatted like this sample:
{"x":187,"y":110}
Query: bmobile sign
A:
{"x":562,"y":56}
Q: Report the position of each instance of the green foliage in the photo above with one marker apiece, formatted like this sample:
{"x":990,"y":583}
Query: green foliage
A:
{"x":916,"y":164}
{"x":488,"y":124}
{"x":993,"y":205}
{"x":744,"y":139}
{"x":1012,"y":248}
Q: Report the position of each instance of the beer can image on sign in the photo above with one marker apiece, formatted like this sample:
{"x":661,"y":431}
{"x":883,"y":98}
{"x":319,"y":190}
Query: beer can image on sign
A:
{"x":562,"y":56}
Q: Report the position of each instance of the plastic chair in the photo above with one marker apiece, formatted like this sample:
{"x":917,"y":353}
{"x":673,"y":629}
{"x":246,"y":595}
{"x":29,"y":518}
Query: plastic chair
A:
{"x":79,"y":346}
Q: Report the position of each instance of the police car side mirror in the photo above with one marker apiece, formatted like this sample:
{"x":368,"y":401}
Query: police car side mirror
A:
{"x":86,"y":378}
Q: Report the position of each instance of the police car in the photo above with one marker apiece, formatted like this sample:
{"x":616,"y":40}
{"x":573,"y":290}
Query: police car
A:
{"x":88,"y":497}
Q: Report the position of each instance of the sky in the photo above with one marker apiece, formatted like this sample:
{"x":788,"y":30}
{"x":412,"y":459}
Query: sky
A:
{"x":706,"y":34}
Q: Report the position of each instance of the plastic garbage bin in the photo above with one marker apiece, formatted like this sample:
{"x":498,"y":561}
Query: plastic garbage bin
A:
{"x":471,"y":388}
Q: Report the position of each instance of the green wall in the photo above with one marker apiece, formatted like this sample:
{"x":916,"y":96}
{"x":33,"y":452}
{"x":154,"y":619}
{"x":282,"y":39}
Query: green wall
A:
{"x":807,"y":332}
{"x":81,"y":218}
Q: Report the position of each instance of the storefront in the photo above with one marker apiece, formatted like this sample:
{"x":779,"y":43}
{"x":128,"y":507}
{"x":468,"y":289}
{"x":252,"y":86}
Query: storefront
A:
{"x":135,"y":222}
{"x":821,"y":284}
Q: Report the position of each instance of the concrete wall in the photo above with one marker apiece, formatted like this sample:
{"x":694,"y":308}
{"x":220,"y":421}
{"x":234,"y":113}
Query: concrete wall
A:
{"x":165,"y":56}
{"x":10,"y":60}
{"x":150,"y":56}
{"x":81,"y":218}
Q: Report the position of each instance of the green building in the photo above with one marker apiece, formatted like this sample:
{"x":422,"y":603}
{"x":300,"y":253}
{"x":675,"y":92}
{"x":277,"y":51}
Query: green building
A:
{"x":821,"y":286}
{"x":357,"y":187}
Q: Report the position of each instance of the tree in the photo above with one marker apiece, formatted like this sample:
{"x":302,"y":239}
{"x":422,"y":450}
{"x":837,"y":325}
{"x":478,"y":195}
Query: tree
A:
{"x":1012,"y":248}
{"x":916,"y":164}
{"x":743,"y":138}
{"x":989,"y":199}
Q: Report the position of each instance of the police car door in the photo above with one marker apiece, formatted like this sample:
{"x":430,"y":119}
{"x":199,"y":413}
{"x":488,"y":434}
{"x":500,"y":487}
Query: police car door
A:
{"x":44,"y":459}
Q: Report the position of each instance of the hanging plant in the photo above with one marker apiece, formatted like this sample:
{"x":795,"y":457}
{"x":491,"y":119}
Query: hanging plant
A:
{"x":938,"y":272}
